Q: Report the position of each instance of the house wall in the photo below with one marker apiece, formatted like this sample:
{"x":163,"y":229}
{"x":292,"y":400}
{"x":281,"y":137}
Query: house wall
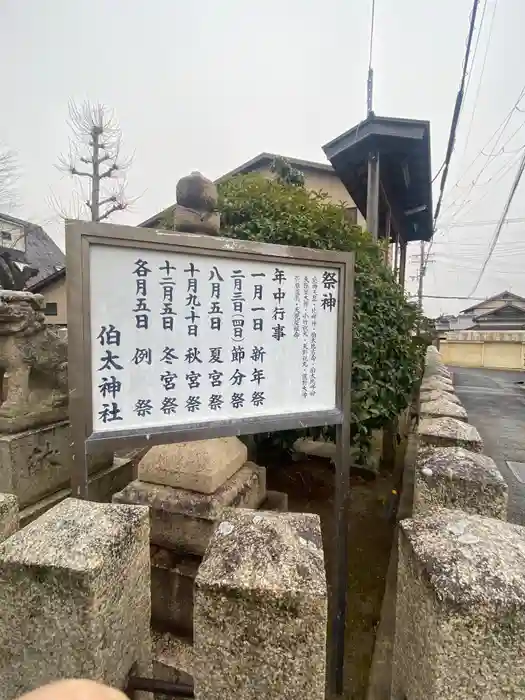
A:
{"x":484,"y":349}
{"x":12,"y":235}
{"x":326,"y":181}
{"x":55,"y":293}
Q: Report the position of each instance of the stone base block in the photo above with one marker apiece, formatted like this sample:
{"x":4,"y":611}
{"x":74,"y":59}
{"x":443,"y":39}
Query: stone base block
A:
{"x":276,"y":501}
{"x":201,"y":465}
{"x":102,"y":485}
{"x":460,"y":611}
{"x":172,"y":579}
{"x":8,"y":515}
{"x":452,"y":477}
{"x":184,"y":520}
{"x":37,"y":462}
{"x":449,"y":432}
{"x":260,"y":609}
{"x":75,"y":597}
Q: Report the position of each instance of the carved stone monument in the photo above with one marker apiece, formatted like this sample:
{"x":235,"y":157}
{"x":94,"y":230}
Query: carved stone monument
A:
{"x":35,"y":439}
{"x":34,"y":362}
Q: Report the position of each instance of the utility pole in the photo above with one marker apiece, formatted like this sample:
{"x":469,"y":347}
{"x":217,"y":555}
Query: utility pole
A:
{"x":421,"y":277}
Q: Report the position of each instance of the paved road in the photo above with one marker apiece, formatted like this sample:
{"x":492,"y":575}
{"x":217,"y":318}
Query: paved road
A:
{"x":496,"y":406}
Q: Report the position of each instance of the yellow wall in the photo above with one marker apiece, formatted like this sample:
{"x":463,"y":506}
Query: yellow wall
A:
{"x":327,"y":182}
{"x":484,"y":354}
{"x":56,"y":292}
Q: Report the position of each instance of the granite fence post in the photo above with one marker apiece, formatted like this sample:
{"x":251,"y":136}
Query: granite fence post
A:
{"x":260,"y":609}
{"x":460,"y":609}
{"x":453,"y":477}
{"x":75,"y":597}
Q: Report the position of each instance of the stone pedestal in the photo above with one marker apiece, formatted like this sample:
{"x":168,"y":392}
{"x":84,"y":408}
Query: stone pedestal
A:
{"x":183,"y":520}
{"x":453,"y":477}
{"x":200,"y":466}
{"x":37,"y":462}
{"x":260,"y":609}
{"x":172,"y":579}
{"x":75,"y":597}
{"x":460,"y":614}
{"x":102,"y":485}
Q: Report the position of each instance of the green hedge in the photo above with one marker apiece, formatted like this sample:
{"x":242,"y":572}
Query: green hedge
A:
{"x":387,"y":356}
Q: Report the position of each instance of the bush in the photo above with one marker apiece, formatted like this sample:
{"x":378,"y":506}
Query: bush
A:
{"x":387,"y":357}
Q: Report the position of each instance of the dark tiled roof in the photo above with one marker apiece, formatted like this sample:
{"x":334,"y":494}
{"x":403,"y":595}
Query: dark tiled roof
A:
{"x":41,"y":251}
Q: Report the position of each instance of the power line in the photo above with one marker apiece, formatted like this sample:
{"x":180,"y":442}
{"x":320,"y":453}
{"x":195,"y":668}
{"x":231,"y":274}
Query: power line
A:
{"x":453,"y":127}
{"x":501,"y":128}
{"x":433,"y":296}
{"x":482,"y":72}
{"x":502,"y":220}
{"x":457,"y":110}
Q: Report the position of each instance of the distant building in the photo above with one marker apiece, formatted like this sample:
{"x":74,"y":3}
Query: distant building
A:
{"x":503,"y":312}
{"x":317,"y":176}
{"x":29,"y":243}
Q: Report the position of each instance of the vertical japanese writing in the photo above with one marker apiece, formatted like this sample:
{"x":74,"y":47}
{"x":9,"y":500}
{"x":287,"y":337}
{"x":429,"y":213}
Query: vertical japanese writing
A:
{"x":167,"y":284}
{"x":278,"y":316}
{"x":305,"y":336}
{"x":297,"y":307}
{"x":238,"y":300}
{"x":110,"y":385}
{"x":313,"y":337}
{"x":215,"y":311}
{"x":192,"y":300}
{"x":329,"y":282}
{"x":258,"y":308}
{"x":142,"y":311}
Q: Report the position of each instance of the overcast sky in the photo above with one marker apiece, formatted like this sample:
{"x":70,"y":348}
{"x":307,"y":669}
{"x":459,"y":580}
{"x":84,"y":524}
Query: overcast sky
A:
{"x":207,"y":85}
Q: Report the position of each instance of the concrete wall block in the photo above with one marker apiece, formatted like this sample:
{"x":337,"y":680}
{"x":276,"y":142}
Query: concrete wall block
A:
{"x":75,"y":597}
{"x":456,"y":478}
{"x":460,"y":611}
{"x":260,"y":609}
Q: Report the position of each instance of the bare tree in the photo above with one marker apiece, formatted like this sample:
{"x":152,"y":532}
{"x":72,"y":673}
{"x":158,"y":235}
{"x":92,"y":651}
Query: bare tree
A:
{"x":94,"y":159}
{"x":9,"y":175}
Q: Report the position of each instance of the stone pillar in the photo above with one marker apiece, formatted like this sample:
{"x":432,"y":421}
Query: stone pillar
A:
{"x":186,"y":486}
{"x":75,"y":597}
{"x":8,"y":515}
{"x":261,"y":609}
{"x":460,"y":613}
{"x":453,"y":477}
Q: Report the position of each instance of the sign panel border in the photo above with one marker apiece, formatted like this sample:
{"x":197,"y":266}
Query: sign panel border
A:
{"x":80,"y":236}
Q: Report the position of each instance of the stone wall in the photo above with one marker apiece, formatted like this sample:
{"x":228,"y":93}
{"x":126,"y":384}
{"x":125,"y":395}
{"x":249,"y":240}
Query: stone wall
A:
{"x":460,"y":599}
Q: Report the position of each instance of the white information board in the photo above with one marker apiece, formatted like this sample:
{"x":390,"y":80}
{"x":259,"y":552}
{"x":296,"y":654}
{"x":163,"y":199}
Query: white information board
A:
{"x":180,"y":338}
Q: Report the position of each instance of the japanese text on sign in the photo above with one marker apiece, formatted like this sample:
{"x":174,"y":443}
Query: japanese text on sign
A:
{"x":180,"y":338}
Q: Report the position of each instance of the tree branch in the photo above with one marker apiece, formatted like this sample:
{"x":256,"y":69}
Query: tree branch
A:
{"x":119,"y":206}
{"x":109,"y":172}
